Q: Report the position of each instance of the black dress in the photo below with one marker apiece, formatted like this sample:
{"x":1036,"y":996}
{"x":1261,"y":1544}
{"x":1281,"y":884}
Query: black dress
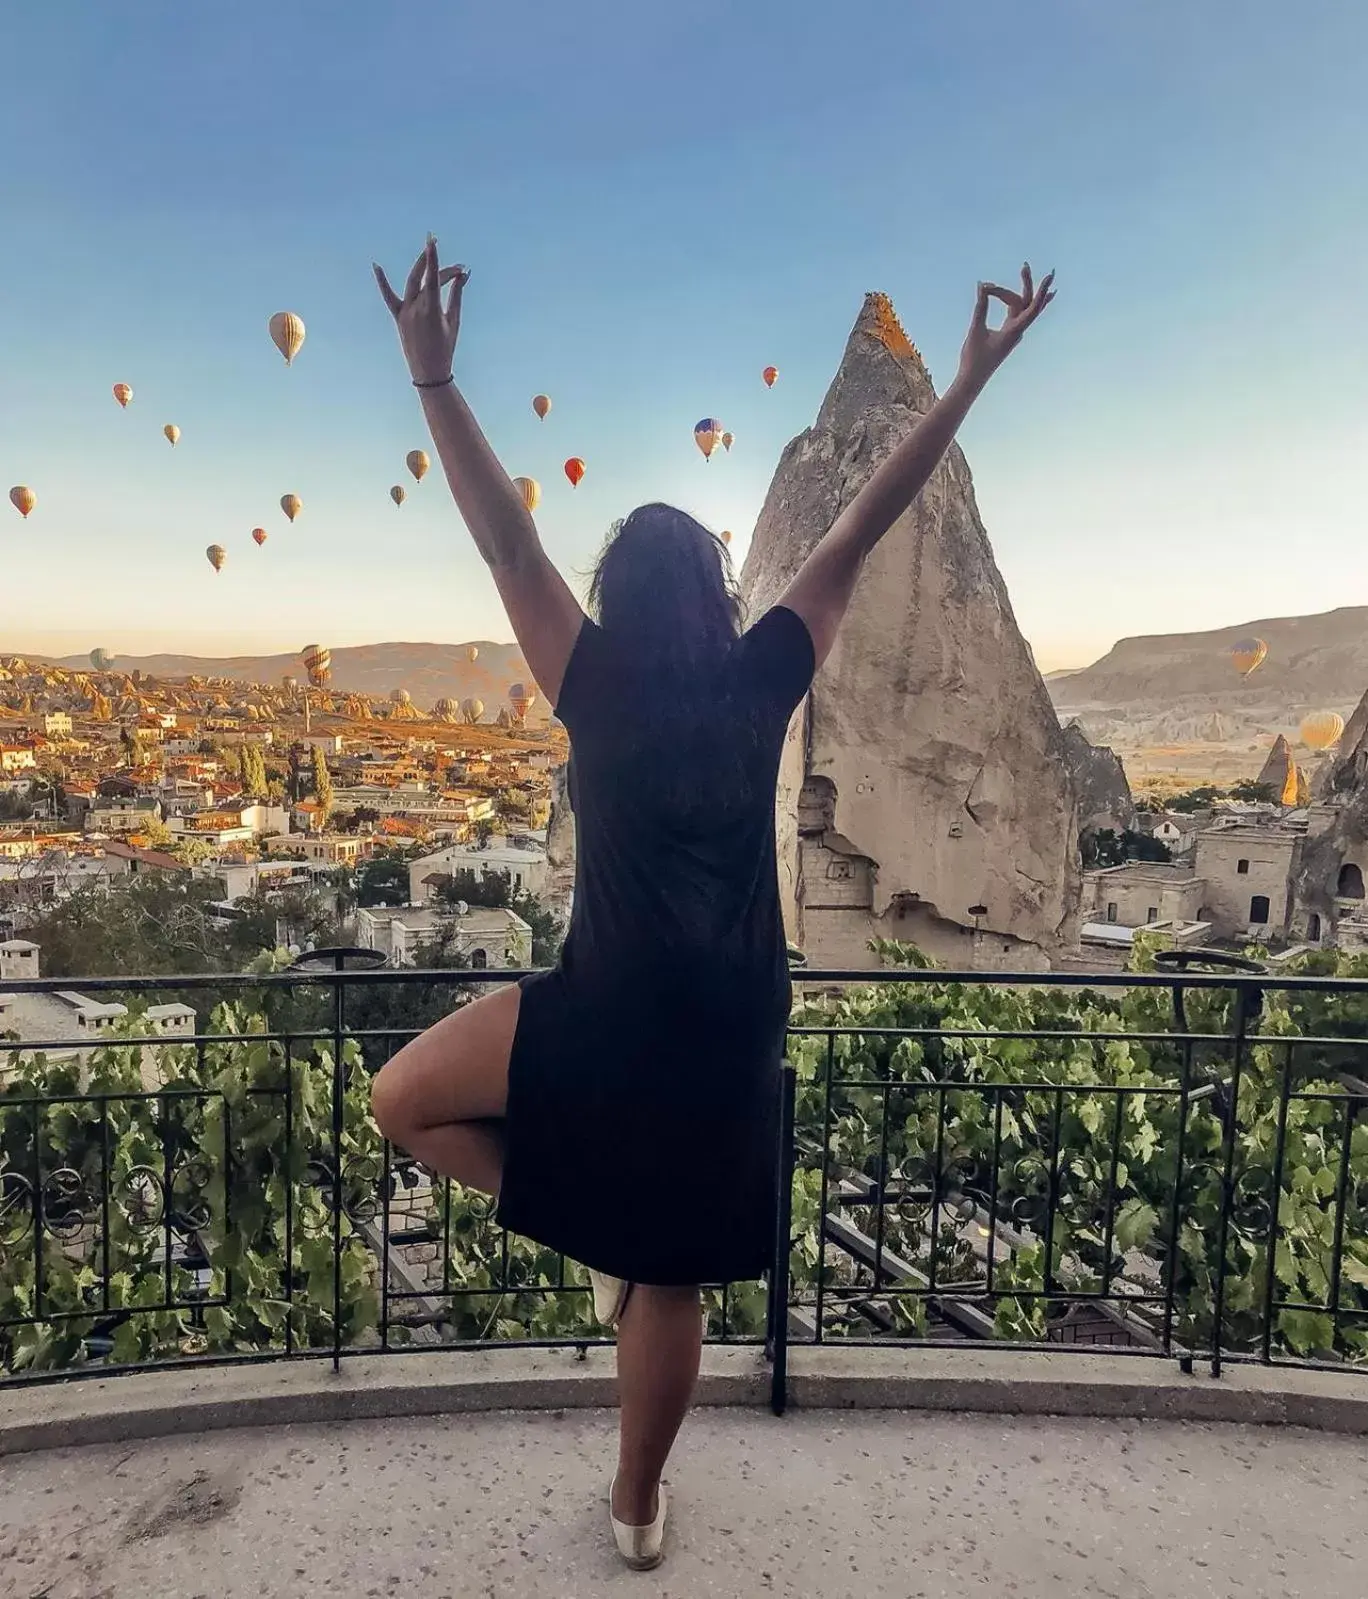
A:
{"x":643,"y":1087}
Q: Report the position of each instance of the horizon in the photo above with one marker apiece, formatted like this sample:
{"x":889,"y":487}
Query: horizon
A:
{"x":1178,"y":441}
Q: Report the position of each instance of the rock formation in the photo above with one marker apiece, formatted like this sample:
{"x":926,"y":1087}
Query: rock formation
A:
{"x":1279,"y":773}
{"x":1099,"y":783}
{"x":560,"y":842}
{"x":924,"y":792}
{"x":1334,"y":859}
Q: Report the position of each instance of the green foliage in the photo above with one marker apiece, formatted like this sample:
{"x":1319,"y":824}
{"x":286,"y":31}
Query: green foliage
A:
{"x":383,"y":880}
{"x":322,"y":781}
{"x":1055,"y":1157}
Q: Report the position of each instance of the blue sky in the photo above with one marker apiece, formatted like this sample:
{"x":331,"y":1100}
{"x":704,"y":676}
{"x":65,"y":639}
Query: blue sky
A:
{"x":655,"y":203}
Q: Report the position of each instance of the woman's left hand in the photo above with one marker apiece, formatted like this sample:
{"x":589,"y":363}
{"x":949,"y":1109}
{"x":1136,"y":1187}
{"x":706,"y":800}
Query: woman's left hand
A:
{"x":985,"y":348}
{"x":428,"y":330}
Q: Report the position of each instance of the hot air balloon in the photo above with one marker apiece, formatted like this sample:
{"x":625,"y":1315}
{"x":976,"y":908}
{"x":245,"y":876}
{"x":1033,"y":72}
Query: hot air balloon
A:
{"x":289,"y":683}
{"x":474,"y":709}
{"x":287,"y":334}
{"x":172,"y":433}
{"x":216,"y":556}
{"x":23,"y":499}
{"x":123,"y":393}
{"x":708,"y":435}
{"x":1246,"y":654}
{"x":541,"y":404}
{"x":728,"y":439}
{"x":291,"y":504}
{"x":417,"y":463}
{"x":101,"y":660}
{"x":472,"y":654}
{"x":530,"y":490}
{"x":259,"y":534}
{"x":726,"y":536}
{"x":522,"y":697}
{"x":770,"y":374}
{"x":317,"y":663}
{"x":574,"y":470}
{"x":398,"y":494}
{"x":1322,"y":729}
{"x":400,"y":696}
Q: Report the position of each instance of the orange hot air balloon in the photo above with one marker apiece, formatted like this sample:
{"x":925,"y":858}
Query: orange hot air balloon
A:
{"x":770,"y":374}
{"x":23,"y":499}
{"x":726,"y":536}
{"x":287,"y":334}
{"x":291,"y":504}
{"x":216,"y":555}
{"x":530,"y":490}
{"x":123,"y":393}
{"x":574,"y":470}
{"x":417,"y":463}
{"x":398,"y":494}
{"x":259,"y":534}
{"x":1246,"y":654}
{"x":1322,"y":729}
{"x":728,"y":439}
{"x":541,"y":404}
{"x":172,"y":433}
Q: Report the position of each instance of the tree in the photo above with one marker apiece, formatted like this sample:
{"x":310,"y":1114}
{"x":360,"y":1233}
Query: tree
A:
{"x":156,"y":834}
{"x":230,"y":758}
{"x":383,"y":880}
{"x":494,"y":889}
{"x":322,"y":783}
{"x":1107,"y":847}
{"x":254,"y":782}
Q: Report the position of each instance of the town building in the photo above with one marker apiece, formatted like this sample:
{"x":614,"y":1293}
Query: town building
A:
{"x":487,"y":938}
{"x":523,"y":863}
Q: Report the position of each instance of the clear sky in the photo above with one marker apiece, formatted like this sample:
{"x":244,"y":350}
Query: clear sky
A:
{"x":657,"y":201}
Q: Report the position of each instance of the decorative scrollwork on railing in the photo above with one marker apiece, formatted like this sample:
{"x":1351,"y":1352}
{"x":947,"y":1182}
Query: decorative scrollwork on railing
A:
{"x":68,"y":1204}
{"x":140,"y":1199}
{"x":16,"y":1208}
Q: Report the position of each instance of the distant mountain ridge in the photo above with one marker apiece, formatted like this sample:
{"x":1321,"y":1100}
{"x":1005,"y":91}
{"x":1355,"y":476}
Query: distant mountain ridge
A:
{"x":428,"y":671}
{"x":1183,"y":686}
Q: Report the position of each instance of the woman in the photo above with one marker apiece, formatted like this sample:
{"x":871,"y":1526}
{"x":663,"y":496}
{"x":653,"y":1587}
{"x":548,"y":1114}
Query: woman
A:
{"x":624,"y":1106}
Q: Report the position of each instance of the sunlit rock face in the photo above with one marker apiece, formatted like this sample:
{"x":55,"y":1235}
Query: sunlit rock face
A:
{"x":924,"y":790}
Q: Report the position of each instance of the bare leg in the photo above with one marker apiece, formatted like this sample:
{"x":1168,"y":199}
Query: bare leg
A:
{"x":443,"y":1096}
{"x":660,"y":1340}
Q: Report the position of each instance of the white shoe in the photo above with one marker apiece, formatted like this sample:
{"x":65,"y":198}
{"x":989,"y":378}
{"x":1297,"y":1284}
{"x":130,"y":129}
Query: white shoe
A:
{"x":640,"y":1547}
{"x":610,"y":1297}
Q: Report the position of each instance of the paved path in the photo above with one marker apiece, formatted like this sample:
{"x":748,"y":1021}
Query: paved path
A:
{"x":833,"y":1504}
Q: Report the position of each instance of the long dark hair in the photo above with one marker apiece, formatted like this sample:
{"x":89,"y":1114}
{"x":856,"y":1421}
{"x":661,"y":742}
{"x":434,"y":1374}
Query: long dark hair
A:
{"x":665,"y":589}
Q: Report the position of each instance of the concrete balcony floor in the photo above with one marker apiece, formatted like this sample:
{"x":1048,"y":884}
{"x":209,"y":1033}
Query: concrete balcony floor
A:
{"x":821,"y":1503}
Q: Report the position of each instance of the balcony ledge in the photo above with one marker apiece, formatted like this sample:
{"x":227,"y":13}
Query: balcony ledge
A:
{"x":875,"y":1502}
{"x":170,"y":1402}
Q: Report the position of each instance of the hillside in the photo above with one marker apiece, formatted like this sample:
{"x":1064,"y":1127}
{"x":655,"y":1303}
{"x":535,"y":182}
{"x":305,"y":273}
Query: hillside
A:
{"x":428,"y":671}
{"x":1181,"y":688}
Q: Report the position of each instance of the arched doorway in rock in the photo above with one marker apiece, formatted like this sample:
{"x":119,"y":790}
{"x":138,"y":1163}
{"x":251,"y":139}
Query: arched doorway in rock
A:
{"x":1313,"y":928}
{"x":1350,"y":884}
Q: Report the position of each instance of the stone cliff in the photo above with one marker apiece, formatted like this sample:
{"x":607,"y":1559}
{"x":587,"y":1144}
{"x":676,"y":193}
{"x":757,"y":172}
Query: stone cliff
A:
{"x":1099,"y":783}
{"x":1334,"y":859}
{"x":924,"y":791}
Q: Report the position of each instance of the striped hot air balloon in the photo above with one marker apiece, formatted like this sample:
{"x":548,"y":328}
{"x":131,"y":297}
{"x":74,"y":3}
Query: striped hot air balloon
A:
{"x":417,"y":463}
{"x":530,"y":490}
{"x":292,"y":505}
{"x":23,"y":499}
{"x":398,"y":494}
{"x":287,"y":334}
{"x":522,"y":697}
{"x":317,"y":662}
{"x":216,"y":555}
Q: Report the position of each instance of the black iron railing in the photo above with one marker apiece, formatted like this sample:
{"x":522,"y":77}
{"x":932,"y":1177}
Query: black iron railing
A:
{"x":1170,"y":1163}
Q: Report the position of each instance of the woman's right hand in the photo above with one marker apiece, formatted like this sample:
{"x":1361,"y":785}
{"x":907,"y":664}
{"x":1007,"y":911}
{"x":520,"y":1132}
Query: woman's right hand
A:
{"x":427,"y":329}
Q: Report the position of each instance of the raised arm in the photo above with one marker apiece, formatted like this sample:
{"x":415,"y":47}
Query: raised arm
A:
{"x":546,"y":616}
{"x":822,"y":588}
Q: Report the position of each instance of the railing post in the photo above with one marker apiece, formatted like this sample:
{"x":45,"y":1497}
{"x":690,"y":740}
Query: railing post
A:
{"x":338,"y":1094}
{"x":1246,"y":1000}
{"x":777,"y":1308}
